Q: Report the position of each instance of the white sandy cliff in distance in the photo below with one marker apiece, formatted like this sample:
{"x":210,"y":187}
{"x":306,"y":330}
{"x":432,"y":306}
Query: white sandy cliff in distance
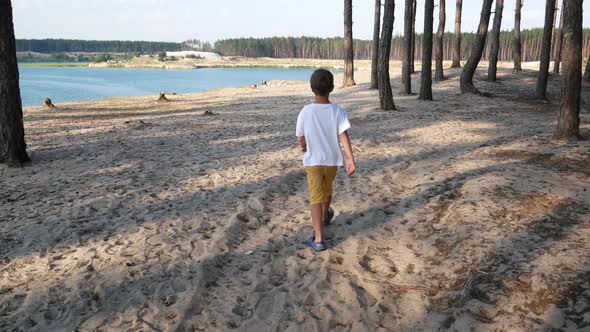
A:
{"x":205,"y":55}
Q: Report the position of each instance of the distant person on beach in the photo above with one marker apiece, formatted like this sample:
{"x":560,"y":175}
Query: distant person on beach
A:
{"x":319,"y":127}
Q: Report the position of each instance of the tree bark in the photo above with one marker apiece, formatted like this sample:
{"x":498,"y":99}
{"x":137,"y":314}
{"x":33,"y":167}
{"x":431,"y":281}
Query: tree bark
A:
{"x":375,"y":52}
{"x":558,"y":40}
{"x":426,"y":72}
{"x":517,"y":40}
{"x":13,"y":149}
{"x":587,"y":71}
{"x":439,"y":72}
{"x":348,"y":47}
{"x":407,"y":55}
{"x":543,"y":77}
{"x":480,"y":41}
{"x":385,"y":93}
{"x":495,"y":39}
{"x":457,"y":36}
{"x":568,"y":124}
{"x":412,"y":68}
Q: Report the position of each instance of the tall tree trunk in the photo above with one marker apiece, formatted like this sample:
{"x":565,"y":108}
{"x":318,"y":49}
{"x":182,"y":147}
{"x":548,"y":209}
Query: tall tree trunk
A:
{"x":517,"y":40}
{"x":407,"y":49}
{"x":439,"y":73}
{"x":348,"y":47}
{"x":587,"y":70}
{"x":541,"y":91}
{"x":13,"y":149}
{"x":375,"y":53}
{"x":385,"y":93}
{"x":480,"y":42}
{"x":493,"y":65}
{"x":457,"y":36}
{"x":426,"y":72}
{"x":558,"y":40}
{"x":568,"y":124}
{"x":553,"y":32}
{"x":412,"y":68}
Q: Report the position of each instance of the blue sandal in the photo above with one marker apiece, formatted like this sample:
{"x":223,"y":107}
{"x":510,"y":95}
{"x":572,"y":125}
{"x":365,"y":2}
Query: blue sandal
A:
{"x":328,"y":219}
{"x":316,"y":246}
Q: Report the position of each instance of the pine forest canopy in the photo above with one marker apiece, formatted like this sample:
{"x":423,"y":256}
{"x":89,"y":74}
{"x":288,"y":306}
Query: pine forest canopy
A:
{"x":94,"y":46}
{"x":293,"y":47}
{"x":333,"y":48}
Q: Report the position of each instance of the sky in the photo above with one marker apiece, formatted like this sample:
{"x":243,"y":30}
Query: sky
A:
{"x":210,"y":20}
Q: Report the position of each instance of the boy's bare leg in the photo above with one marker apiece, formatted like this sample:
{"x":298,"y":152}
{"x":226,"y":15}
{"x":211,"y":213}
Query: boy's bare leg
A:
{"x":318,"y":222}
{"x":325,"y":207}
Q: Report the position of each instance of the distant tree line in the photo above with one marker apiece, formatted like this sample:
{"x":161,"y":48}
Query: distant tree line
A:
{"x":197,"y":45}
{"x":333,"y":48}
{"x":97,"y":46}
{"x":291,"y":47}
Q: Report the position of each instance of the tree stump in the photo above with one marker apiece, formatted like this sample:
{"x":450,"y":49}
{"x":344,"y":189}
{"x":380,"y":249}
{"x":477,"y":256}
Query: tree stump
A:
{"x":48,"y":103}
{"x":163,"y":97}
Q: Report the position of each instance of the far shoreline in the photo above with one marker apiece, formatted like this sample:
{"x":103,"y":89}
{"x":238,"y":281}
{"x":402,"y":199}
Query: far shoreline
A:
{"x":166,"y":67}
{"x":229,"y":62}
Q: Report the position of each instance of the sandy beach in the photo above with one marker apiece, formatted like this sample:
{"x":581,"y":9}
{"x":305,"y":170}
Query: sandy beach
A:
{"x":136,"y":215}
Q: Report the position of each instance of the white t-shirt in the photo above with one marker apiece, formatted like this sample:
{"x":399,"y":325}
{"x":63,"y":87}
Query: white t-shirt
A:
{"x":321,"y":124}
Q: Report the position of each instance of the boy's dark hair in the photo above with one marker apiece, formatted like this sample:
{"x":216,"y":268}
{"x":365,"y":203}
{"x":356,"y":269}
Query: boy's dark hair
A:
{"x":322,"y":82}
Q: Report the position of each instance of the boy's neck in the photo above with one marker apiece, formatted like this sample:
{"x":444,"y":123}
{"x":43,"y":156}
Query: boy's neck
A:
{"x":322,"y":99}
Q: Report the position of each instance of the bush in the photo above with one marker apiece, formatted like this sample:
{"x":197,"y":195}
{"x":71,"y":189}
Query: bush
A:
{"x":162,"y":56}
{"x":83,"y":58}
{"x":103,"y":57}
{"x":194,"y":56}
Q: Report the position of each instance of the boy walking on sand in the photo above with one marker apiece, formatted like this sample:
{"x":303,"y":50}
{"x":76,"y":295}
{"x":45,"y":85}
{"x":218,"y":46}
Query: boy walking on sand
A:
{"x":319,"y":127}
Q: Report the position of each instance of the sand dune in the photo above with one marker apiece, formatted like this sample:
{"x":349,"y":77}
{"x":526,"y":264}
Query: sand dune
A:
{"x":139,"y":216}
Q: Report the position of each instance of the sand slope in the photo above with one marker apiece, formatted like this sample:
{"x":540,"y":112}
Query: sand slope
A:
{"x":145,"y":216}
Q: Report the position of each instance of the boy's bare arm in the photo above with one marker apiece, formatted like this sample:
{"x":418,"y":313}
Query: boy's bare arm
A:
{"x":350,"y":165}
{"x":302,"y":143}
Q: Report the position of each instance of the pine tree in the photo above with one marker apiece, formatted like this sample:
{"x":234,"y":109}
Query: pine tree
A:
{"x":558,"y":40}
{"x":413,"y":57}
{"x":478,"y":47}
{"x":517,"y":38}
{"x":426,"y":73}
{"x":348,"y":47}
{"x":375,"y":46}
{"x":439,"y":73}
{"x":495,"y":39}
{"x":385,"y":93}
{"x":457,"y":36}
{"x":12,"y":134}
{"x":407,"y":49}
{"x":568,"y":124}
{"x":543,"y":77}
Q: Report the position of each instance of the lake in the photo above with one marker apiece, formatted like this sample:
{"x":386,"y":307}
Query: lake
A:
{"x":63,"y":84}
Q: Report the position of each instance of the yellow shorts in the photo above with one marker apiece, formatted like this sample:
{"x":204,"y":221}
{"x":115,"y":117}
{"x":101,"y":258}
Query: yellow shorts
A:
{"x":319,"y":182}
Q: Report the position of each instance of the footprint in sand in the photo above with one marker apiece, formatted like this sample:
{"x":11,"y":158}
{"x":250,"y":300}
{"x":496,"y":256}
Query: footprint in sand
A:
{"x":378,"y":264}
{"x":264,"y":307}
{"x":365,"y":299}
{"x":12,"y":305}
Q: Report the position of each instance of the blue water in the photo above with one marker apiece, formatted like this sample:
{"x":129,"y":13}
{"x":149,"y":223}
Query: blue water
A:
{"x":63,"y":84}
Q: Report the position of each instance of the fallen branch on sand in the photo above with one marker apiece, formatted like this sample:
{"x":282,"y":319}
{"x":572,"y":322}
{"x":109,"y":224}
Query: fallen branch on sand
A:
{"x":406,"y":289}
{"x":209,"y":112}
{"x":517,"y":282}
